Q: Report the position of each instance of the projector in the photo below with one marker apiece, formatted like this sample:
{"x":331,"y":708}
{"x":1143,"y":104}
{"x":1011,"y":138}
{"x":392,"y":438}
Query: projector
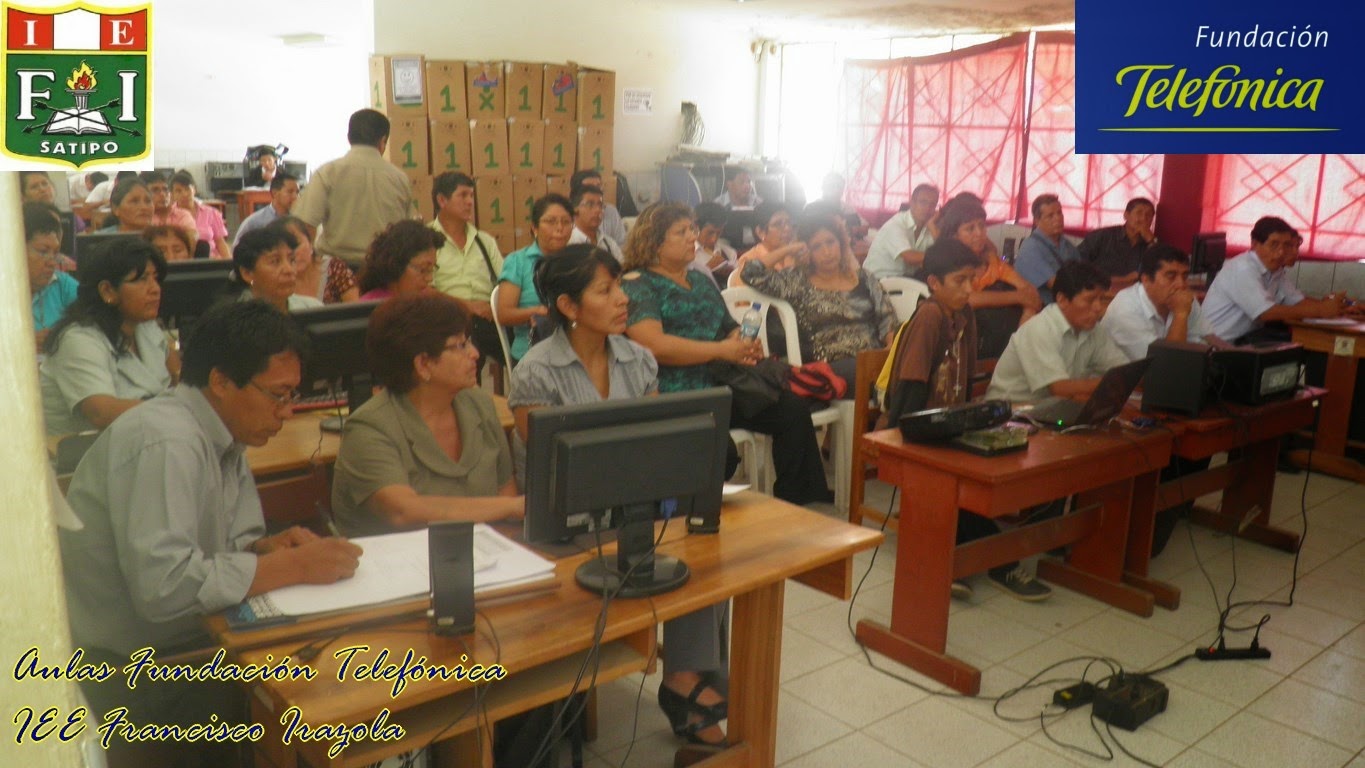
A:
{"x":946,"y":423}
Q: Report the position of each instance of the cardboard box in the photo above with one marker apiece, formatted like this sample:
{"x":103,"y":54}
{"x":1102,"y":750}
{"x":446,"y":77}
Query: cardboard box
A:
{"x":561,"y":148}
{"x":488,"y":147}
{"x":595,"y":147}
{"x":596,"y":97}
{"x":496,"y":204}
{"x":609,"y":187}
{"x":523,"y":237}
{"x":559,"y":93}
{"x":396,"y":85}
{"x":526,"y":145}
{"x":450,"y":146}
{"x":484,"y":90}
{"x":527,"y":188}
{"x":524,"y":85}
{"x":421,"y":197}
{"x":446,"y":90}
{"x":409,"y":146}
{"x":505,"y":238}
{"x":557,"y":184}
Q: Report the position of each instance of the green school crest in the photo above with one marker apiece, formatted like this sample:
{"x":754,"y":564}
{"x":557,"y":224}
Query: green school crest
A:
{"x":76,"y":85}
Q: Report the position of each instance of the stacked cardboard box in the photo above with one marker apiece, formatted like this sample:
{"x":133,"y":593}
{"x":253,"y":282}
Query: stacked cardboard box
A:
{"x":399,"y":89}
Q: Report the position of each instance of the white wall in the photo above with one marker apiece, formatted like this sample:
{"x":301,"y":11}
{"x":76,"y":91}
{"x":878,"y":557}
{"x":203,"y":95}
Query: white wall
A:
{"x":680,"y":54}
{"x":223,"y":80}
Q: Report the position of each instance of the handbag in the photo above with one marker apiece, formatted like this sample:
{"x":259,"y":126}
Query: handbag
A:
{"x":755,"y":387}
{"x":817,"y":382}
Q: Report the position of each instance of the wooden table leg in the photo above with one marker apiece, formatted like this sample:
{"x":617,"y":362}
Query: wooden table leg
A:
{"x":755,"y":659}
{"x":918,"y":635}
{"x":1141,"y":521}
{"x":1334,"y":419}
{"x":1250,"y":495}
{"x":1095,"y":566}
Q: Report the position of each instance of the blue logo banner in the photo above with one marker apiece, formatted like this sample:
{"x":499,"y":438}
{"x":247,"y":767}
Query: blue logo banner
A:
{"x":1254,"y":77}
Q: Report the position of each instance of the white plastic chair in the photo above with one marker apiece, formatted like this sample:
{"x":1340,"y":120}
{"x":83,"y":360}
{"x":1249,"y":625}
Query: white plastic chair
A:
{"x":905,"y":294}
{"x":838,"y":418}
{"x":502,"y":340}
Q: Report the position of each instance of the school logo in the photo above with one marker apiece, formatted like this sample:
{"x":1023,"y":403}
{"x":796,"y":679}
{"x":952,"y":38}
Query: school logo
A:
{"x":76,"y":85}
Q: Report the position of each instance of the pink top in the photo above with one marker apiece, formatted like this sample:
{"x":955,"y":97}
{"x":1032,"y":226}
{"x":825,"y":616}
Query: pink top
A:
{"x":377,"y":294}
{"x":176,"y":217}
{"x":210,"y":223}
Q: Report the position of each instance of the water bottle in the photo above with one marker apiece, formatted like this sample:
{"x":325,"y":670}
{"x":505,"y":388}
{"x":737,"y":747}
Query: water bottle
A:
{"x":752,"y":321}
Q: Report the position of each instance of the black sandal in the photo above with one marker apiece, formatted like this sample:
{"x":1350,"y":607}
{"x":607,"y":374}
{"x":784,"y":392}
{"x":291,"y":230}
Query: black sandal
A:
{"x":680,"y":710}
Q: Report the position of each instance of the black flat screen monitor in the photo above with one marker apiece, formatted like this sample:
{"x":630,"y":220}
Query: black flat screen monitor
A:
{"x":619,"y":464}
{"x":91,"y":246}
{"x":190,"y":288}
{"x":336,"y":359}
{"x":1208,"y":253}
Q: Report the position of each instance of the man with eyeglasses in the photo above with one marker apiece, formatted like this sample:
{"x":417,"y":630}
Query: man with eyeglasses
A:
{"x":172,"y":524}
{"x":1255,"y":288}
{"x":589,"y":207}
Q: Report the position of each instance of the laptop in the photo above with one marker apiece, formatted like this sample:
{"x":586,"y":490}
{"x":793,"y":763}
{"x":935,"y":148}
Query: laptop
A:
{"x":1104,"y":404}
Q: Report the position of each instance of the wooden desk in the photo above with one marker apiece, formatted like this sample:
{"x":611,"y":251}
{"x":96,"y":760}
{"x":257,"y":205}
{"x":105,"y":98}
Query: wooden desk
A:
{"x":1101,"y":467}
{"x":541,"y":641}
{"x":302,"y":444}
{"x":1247,"y":480}
{"x":1329,"y":444}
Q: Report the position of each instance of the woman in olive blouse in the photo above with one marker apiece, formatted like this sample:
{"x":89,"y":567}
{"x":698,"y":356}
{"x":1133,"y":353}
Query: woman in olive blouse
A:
{"x":430,"y":446}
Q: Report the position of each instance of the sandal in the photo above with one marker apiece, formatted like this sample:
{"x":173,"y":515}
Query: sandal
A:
{"x":681,"y":709}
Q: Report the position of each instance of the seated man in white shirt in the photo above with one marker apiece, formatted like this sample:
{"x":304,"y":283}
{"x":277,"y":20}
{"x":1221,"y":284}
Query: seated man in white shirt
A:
{"x":715,"y":258}
{"x":1060,"y":352}
{"x":172,"y":527}
{"x":612,"y":225}
{"x":1159,"y":306}
{"x":1254,"y":289}
{"x":588,"y":207}
{"x":898,"y":249}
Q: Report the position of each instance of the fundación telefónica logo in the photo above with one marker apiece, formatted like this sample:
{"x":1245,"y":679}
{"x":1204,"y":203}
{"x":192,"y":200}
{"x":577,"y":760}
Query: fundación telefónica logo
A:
{"x":76,"y":85}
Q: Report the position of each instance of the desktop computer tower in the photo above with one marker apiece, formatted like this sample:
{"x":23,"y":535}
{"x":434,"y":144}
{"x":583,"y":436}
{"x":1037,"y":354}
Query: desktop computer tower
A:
{"x":1178,"y":378}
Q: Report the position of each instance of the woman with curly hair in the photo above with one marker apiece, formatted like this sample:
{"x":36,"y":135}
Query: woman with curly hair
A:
{"x":401,"y":260}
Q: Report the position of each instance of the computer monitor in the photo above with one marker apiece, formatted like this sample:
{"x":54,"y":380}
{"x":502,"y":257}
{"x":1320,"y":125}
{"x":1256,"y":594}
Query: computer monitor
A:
{"x":619,"y":464}
{"x":337,"y":360}
{"x":190,"y":288}
{"x":1208,"y":253}
{"x":94,"y":245}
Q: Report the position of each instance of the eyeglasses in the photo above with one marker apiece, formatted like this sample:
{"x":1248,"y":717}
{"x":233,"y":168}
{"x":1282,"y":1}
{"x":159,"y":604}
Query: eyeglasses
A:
{"x":426,"y":271}
{"x":458,"y":346}
{"x":288,"y":399}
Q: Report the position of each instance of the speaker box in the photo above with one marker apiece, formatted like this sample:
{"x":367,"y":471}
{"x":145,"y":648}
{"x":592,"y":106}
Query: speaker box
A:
{"x":1178,"y":378}
{"x":450,"y":547}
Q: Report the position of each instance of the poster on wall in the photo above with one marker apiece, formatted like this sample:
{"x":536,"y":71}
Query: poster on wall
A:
{"x":637,"y":101}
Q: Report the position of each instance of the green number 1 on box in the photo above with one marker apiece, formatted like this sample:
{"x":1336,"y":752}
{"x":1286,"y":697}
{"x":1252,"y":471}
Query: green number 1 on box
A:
{"x":597,"y":107}
{"x":496,"y":205}
{"x":452,"y":164}
{"x":526,"y":155}
{"x":597,"y":160}
{"x":492,"y":160}
{"x":445,"y":98}
{"x":407,"y":155}
{"x":530,"y":205}
{"x":559,"y":156}
{"x":525,"y":92}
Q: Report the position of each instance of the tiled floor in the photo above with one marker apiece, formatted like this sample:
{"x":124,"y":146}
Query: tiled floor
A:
{"x":1304,"y":707}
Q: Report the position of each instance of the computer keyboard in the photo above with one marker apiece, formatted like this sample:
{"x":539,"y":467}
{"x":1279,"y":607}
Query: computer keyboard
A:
{"x":327,"y":401}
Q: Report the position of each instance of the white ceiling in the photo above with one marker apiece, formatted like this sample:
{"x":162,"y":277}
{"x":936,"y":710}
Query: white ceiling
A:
{"x":792,"y":20}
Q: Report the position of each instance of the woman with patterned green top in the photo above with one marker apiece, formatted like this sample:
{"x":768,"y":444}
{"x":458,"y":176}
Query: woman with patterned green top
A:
{"x":678,"y":314}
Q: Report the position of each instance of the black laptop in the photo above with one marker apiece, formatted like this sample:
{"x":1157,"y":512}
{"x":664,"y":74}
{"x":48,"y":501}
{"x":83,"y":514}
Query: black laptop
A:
{"x":1104,"y":404}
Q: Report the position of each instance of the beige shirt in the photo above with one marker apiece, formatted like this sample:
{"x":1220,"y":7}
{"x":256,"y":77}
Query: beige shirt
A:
{"x":462,"y":273}
{"x":1045,"y":350}
{"x":354,"y":198}
{"x":386,"y":443}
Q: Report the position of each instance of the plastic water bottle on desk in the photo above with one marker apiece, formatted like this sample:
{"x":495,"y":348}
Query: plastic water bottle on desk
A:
{"x":751,"y":322}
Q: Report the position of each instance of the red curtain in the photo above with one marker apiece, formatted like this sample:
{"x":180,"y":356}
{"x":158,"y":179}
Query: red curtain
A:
{"x":1094,"y":189}
{"x":953,"y":120}
{"x":957,"y":120}
{"x":1323,"y":196}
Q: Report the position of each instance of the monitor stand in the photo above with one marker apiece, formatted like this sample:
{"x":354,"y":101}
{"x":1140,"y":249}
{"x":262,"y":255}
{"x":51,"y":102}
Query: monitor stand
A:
{"x":648,"y":573}
{"x":358,"y":390}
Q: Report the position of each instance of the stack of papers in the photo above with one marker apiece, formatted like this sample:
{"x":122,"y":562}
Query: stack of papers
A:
{"x":395,"y":566}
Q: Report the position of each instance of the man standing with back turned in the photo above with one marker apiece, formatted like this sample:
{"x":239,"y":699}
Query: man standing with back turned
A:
{"x":356,"y":196}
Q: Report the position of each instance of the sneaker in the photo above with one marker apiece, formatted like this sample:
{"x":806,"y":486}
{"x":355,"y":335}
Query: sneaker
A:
{"x":1020,"y":584}
{"x":962,"y":590}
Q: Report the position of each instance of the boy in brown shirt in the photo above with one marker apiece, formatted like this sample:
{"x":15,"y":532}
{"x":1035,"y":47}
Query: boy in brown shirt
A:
{"x":934,"y":360}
